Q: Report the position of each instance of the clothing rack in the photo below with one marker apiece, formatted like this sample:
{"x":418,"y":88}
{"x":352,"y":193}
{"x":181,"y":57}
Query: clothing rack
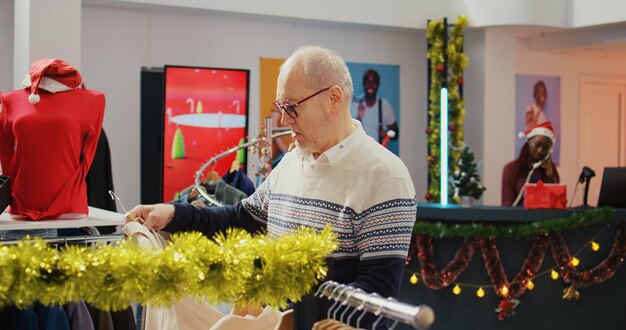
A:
{"x":213,"y":160}
{"x":419,"y":317}
{"x":72,"y":239}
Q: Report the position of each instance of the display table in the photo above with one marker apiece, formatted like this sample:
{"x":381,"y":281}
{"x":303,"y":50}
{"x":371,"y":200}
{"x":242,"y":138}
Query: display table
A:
{"x":97,"y":217}
{"x":599,"y":306}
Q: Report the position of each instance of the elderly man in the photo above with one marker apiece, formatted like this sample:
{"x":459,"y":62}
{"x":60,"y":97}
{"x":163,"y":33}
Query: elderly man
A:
{"x":336,"y":174}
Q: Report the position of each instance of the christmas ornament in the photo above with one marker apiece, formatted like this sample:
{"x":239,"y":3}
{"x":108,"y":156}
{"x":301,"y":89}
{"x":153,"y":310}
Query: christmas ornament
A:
{"x":570,"y":293}
{"x":506,"y":308}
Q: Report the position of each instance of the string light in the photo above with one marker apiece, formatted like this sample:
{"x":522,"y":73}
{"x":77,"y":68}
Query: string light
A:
{"x":504,"y":290}
{"x":456,"y":290}
{"x":595,"y":246}
{"x":529,"y":284}
{"x":554,"y":275}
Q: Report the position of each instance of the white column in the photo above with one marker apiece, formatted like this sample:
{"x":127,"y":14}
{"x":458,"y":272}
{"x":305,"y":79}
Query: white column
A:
{"x":499,"y":114}
{"x":45,"y":29}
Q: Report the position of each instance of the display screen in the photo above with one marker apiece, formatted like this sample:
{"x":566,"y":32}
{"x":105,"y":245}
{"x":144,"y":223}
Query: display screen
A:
{"x":206,"y":112}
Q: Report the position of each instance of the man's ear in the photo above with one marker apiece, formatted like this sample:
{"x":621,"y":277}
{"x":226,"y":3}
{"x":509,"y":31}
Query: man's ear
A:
{"x":336,"y":97}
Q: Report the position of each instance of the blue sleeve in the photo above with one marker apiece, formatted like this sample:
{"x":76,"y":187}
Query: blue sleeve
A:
{"x":209,"y":220}
{"x":382,"y":276}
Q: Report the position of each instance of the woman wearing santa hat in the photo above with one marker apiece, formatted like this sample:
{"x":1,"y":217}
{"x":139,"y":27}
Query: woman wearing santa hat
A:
{"x":534,"y":163}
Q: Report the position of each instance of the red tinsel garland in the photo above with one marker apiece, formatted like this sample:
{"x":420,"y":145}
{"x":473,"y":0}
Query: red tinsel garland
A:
{"x":434,"y":279}
{"x":440,"y":279}
{"x":530,"y":267}
{"x":600,"y":273}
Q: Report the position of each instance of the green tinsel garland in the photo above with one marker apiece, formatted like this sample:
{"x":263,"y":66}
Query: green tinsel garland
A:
{"x":233,"y":267}
{"x":457,"y":61}
{"x":577,"y":220}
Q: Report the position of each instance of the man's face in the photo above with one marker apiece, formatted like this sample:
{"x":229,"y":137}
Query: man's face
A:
{"x":370,"y":85}
{"x":539,"y":146}
{"x":309,"y":128}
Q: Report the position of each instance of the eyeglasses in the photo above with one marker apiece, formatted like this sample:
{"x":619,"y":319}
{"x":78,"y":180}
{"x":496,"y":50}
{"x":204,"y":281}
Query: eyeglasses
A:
{"x":290,"y":109}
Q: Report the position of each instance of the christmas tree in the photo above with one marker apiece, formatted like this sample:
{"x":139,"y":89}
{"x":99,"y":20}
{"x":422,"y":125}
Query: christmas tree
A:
{"x":466,"y":179}
{"x":178,"y":145}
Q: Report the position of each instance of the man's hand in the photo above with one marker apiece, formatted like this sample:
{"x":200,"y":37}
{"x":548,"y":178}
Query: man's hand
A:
{"x":155,"y":216}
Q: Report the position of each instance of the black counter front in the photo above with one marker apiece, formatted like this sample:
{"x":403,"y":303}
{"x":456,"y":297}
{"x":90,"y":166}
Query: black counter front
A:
{"x":436,"y":212}
{"x":599,"y":306}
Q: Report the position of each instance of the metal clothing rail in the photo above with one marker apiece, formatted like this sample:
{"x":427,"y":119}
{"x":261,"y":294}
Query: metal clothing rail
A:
{"x":419,"y":317}
{"x":214,"y":159}
{"x":72,"y":239}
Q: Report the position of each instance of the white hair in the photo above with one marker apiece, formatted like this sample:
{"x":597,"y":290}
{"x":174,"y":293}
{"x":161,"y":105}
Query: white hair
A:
{"x":322,"y":68}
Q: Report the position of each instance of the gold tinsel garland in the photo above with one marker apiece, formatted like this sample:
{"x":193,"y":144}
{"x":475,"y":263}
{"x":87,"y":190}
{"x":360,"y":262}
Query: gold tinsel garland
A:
{"x":456,"y":62}
{"x":233,"y":267}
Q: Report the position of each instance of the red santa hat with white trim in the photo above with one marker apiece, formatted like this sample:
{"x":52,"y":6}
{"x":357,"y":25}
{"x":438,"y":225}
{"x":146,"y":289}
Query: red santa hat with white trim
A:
{"x":53,"y":75}
{"x":543,"y":129}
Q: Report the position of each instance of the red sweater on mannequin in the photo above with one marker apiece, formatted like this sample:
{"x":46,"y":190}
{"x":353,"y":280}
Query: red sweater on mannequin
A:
{"x":47,"y":147}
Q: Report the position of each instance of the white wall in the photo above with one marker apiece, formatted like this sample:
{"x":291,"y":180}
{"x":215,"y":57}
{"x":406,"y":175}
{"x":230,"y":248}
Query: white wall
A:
{"x":118,"y":42}
{"x":474,"y":96}
{"x":570,"y":68}
{"x":45,"y":29}
{"x":499,"y":95}
{"x":6,"y":45}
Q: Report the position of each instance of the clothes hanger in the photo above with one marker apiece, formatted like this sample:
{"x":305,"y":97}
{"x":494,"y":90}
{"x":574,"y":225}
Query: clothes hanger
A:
{"x":212,"y":176}
{"x":320,"y":289}
{"x":345,"y":303}
{"x":393,"y":326}
{"x":380,"y":308}
{"x":331,"y":323}
{"x":337,"y":301}
{"x":380,"y":316}
{"x":390,"y":299}
{"x":235,"y":166}
{"x":359,"y":308}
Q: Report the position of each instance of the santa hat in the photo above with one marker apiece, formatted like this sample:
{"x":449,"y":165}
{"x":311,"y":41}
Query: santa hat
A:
{"x":543,"y":129}
{"x":48,"y":73}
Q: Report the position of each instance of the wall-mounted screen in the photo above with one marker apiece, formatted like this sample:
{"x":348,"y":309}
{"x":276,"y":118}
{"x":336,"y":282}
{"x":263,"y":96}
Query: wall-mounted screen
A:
{"x":205,"y":113}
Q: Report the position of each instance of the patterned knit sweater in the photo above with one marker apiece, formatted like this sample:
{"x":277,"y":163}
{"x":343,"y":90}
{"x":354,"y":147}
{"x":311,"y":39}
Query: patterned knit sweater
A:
{"x":360,"y":188}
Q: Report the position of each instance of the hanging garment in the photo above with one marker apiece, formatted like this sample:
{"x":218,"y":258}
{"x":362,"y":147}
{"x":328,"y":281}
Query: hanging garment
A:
{"x":78,"y":316}
{"x":219,"y":190}
{"x":100,"y":181}
{"x":268,"y":319}
{"x":187,"y":314}
{"x":239,"y":179}
{"x":13,"y":318}
{"x":100,"y":177}
{"x":124,"y":319}
{"x":101,"y":320}
{"x":49,"y":139}
{"x":52,"y":317}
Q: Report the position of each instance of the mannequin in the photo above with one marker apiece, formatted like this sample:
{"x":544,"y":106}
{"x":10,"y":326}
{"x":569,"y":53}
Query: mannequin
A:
{"x":48,"y":136}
